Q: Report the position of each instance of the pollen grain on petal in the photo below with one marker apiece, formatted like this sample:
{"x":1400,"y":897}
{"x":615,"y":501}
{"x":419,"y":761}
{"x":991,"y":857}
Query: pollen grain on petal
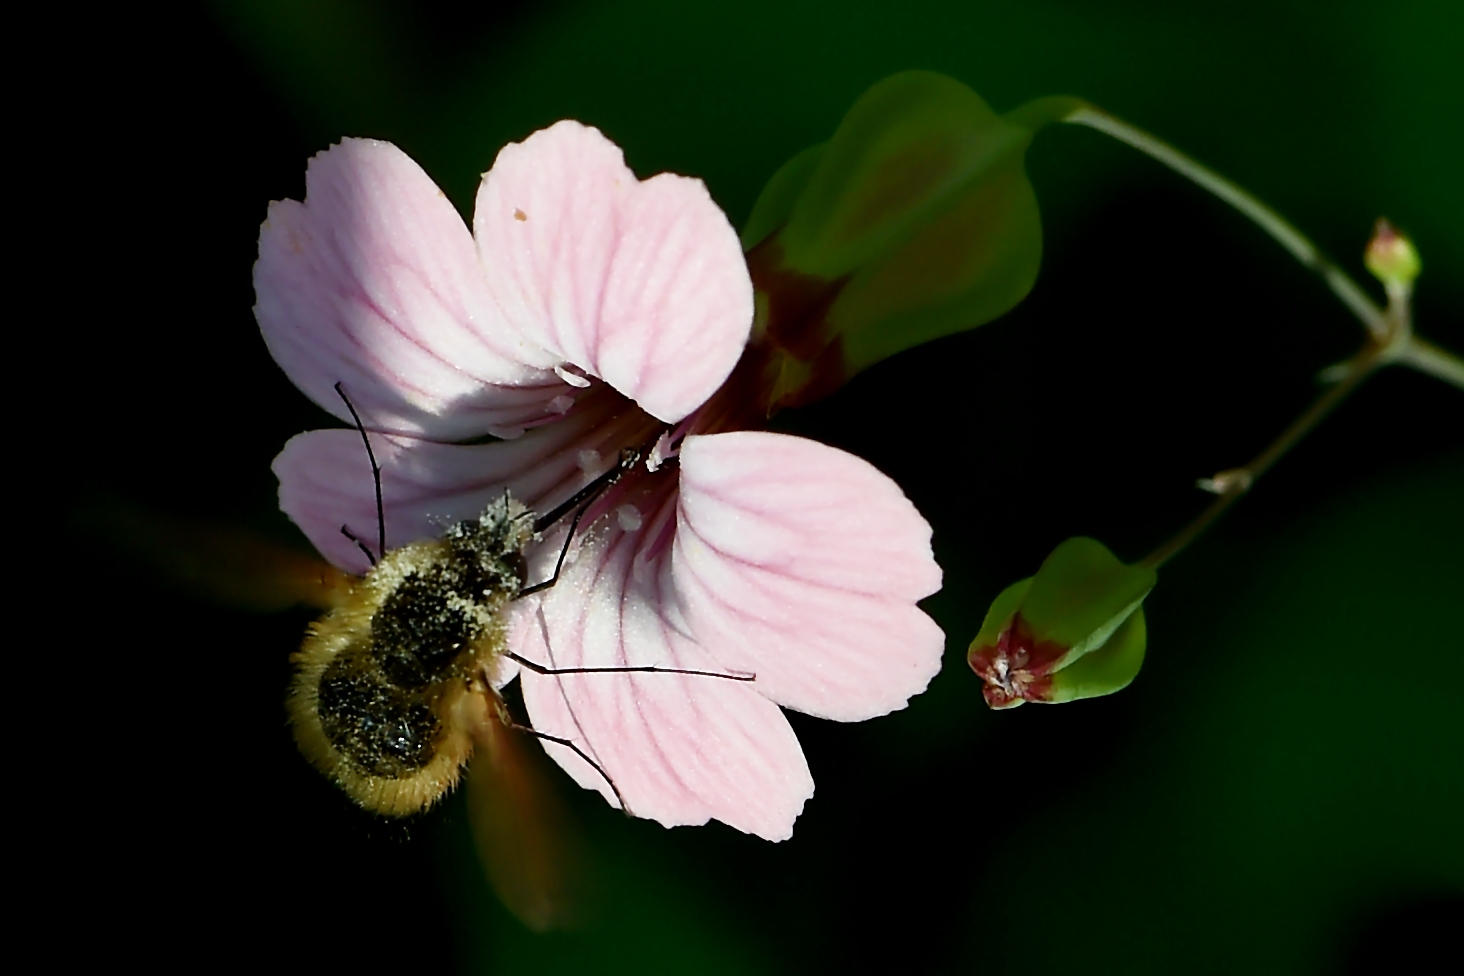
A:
{"x":589,"y":461}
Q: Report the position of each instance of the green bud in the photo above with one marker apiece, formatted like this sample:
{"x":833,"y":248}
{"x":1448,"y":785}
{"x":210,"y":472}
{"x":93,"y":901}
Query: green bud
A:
{"x":1391,"y":257}
{"x":1075,"y":630}
{"x":915,"y":221}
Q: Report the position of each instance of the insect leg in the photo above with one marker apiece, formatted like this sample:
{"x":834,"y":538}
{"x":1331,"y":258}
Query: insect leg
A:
{"x":558,"y":563}
{"x":359,"y":544}
{"x":582,"y":498}
{"x":646,"y":669}
{"x":375,"y":475}
{"x":590,"y":491}
{"x":578,"y":752}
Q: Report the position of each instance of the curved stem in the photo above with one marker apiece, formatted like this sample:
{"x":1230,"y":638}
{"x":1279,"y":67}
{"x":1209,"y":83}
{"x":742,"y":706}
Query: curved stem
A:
{"x":1269,"y":220}
{"x":1428,"y":358}
{"x":1390,"y":330}
{"x":1237,"y":481}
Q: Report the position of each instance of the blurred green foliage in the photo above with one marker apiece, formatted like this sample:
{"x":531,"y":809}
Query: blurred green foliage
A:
{"x":1358,"y":101}
{"x":1281,"y":788}
{"x":913,"y":222}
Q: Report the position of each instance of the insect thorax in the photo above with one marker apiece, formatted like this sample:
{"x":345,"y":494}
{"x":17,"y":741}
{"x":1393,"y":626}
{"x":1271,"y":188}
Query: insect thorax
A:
{"x":385,"y":689}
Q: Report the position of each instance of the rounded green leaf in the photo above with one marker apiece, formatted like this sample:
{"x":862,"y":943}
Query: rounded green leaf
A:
{"x":968,"y":266}
{"x":908,"y":149}
{"x":1074,"y":630}
{"x":777,"y":199}
{"x":915,"y":221}
{"x":1105,"y":670}
{"x":1000,"y":614}
{"x":1082,"y":593}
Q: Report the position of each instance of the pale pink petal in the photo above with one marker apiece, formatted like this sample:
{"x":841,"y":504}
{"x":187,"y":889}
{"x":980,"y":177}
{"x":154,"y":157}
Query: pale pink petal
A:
{"x":680,"y":748}
{"x":374,"y":282}
{"x":641,"y":284}
{"x":803,"y":563}
{"x":325,"y":476}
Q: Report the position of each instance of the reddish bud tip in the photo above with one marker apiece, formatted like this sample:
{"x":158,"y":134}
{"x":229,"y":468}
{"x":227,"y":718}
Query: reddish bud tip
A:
{"x":1017,"y":667}
{"x":1391,"y":256}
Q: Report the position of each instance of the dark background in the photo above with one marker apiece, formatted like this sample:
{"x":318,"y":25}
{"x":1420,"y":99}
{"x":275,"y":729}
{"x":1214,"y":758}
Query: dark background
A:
{"x":1280,"y":791}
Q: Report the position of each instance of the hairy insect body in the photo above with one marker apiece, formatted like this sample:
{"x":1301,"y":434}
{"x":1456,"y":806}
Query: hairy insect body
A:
{"x":391,"y":684}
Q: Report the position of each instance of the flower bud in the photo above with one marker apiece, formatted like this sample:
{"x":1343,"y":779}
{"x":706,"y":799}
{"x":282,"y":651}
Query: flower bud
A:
{"x":1391,"y":257}
{"x":915,"y":221}
{"x":1075,"y":630}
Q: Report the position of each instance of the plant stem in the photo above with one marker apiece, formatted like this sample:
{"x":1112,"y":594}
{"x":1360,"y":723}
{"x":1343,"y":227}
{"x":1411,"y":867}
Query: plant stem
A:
{"x":1390,"y":329}
{"x":1238,"y":481}
{"x":1388,"y":326}
{"x":1269,"y":220}
{"x":1428,"y":358}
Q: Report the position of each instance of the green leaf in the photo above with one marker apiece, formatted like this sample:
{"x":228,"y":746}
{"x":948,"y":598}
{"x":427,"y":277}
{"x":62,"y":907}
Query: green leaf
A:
{"x":964,"y":269}
{"x":1074,"y":630}
{"x":915,"y":221}
{"x":1082,"y":593}
{"x":775,"y":202}
{"x":1103,"y":671}
{"x":910,"y":148}
{"x":1000,"y":614}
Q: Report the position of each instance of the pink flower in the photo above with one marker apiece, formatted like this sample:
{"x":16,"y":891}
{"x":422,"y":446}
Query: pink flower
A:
{"x":589,"y":312}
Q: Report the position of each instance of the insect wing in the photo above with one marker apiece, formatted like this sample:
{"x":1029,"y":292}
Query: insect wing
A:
{"x":532,"y":849}
{"x":231,"y":565}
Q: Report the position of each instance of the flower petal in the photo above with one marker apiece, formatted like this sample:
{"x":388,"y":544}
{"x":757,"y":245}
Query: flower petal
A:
{"x":680,"y":748}
{"x":803,"y":564}
{"x":373,"y":282}
{"x":641,"y":284}
{"x":325,"y":476}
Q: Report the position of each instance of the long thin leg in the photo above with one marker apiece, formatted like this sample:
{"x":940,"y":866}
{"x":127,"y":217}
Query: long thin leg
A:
{"x":578,"y":752}
{"x":627,"y":461}
{"x":648,"y":669}
{"x":587,"y":495}
{"x":558,"y":563}
{"x":375,"y":476}
{"x":359,"y":544}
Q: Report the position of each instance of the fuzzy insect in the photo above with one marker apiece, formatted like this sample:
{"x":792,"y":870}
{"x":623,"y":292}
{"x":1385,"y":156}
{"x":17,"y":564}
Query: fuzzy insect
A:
{"x":392,"y":685}
{"x":393,"y":691}
{"x":393,"y":694}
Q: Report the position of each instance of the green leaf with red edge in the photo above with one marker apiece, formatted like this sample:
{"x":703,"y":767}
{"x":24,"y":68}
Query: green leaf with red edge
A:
{"x":1000,"y":613}
{"x":1079,"y":614}
{"x":915,"y":221}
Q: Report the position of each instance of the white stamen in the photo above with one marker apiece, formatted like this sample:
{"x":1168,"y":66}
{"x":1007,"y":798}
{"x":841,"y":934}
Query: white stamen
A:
{"x":629,"y":517}
{"x":661,"y":453}
{"x":561,"y":404}
{"x":1004,"y":676}
{"x":573,"y":379}
{"x":589,"y":462}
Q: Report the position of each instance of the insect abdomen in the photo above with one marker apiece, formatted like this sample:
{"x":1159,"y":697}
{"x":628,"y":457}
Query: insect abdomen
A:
{"x":380,"y":729}
{"x":388,"y":685}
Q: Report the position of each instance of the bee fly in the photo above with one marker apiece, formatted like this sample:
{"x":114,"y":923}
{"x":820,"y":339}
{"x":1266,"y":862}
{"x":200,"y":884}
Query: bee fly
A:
{"x":390,"y":683}
{"x":392,"y":686}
